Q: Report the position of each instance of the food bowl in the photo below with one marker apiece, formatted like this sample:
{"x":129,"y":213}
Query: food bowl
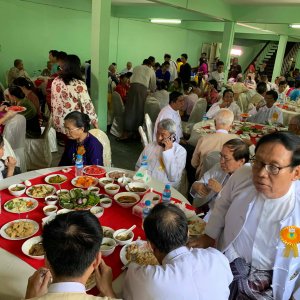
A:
{"x":105,"y":180}
{"x":17,"y":189}
{"x":97,"y":211}
{"x":106,"y":202}
{"x":139,"y":188}
{"x":27,"y":247}
{"x":123,"y":181}
{"x":112,"y":188}
{"x":127,"y":199}
{"x":123,"y":240}
{"x":116,"y":174}
{"x":108,"y":246}
{"x":62,"y":191}
{"x":50,"y":210}
{"x":108,"y":232}
{"x":51,"y":200}
{"x":94,"y":189}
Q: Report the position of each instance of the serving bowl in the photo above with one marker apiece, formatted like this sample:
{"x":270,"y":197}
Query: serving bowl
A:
{"x":139,"y":188}
{"x":50,"y":210}
{"x":97,"y":211}
{"x":106,"y":202}
{"x":105,"y":180}
{"x":127,"y":199}
{"x":111,"y":188}
{"x":51,"y":200}
{"x":127,"y":239}
{"x":17,"y":189}
{"x":94,"y":189}
{"x":108,"y":246}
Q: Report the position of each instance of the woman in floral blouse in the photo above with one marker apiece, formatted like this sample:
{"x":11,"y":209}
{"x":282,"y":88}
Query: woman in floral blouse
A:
{"x":69,"y":93}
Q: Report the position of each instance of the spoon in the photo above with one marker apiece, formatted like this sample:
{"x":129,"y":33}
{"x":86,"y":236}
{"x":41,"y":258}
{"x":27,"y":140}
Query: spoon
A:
{"x":124,"y":232}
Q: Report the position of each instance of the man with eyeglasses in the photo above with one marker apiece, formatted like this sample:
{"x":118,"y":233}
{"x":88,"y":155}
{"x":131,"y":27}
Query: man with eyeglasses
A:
{"x":256,"y":221}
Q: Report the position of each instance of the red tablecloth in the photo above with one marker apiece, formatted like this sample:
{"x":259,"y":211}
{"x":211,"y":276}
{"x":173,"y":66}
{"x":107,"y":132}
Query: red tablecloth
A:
{"x":115,"y":217}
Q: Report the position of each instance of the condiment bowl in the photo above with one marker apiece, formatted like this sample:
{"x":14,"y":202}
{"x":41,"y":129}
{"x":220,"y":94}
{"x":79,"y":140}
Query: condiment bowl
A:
{"x":127,"y":239}
{"x":108,"y":246}
{"x":17,"y":189}
{"x":112,"y":188}
{"x":50,"y":210}
{"x":97,"y":211}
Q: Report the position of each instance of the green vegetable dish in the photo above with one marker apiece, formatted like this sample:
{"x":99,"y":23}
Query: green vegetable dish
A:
{"x":78,"y":199}
{"x":56,"y":179}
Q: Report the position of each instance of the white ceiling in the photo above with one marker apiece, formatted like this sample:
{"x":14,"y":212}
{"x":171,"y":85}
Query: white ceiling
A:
{"x":243,"y":2}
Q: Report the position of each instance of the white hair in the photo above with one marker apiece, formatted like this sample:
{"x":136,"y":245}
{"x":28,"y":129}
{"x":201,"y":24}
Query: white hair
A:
{"x":224,"y":117}
{"x":167,"y":124}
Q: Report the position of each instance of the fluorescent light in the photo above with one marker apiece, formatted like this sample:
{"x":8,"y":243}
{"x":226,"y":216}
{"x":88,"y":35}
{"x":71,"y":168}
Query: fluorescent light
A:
{"x":297,"y":26}
{"x":255,"y":28}
{"x":165,"y":21}
{"x":237,"y":52}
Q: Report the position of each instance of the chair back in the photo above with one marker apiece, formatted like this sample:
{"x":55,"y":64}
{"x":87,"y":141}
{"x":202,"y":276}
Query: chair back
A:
{"x":152,"y":108}
{"x":117,"y":104}
{"x":210,"y":159}
{"x":103,"y":139}
{"x":149,"y":128}
{"x":198,"y":111}
{"x":49,"y":124}
{"x":143,"y":136}
{"x":8,"y":151}
{"x":242,"y":102}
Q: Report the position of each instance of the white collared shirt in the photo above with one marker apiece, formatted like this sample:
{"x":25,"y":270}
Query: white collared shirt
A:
{"x":216,"y":107}
{"x":185,"y":274}
{"x":66,"y":287}
{"x":265,"y":114}
{"x":219,"y":77}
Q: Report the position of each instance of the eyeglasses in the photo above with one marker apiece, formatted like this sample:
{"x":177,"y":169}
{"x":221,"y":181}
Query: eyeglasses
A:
{"x":271,"y":169}
{"x":224,"y":158}
{"x":70,"y":130}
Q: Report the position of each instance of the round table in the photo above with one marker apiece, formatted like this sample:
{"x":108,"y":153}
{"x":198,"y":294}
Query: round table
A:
{"x":287,"y":115}
{"x":14,"y":272}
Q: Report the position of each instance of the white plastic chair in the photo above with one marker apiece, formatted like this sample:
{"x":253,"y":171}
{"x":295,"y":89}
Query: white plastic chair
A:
{"x":8,"y":151}
{"x":210,"y":160}
{"x":104,"y":140}
{"x":37,"y":151}
{"x":197,"y":114}
{"x":149,"y":128}
{"x":143,"y":136}
{"x":152,"y":108}
{"x":118,"y":110}
{"x":183,"y":184}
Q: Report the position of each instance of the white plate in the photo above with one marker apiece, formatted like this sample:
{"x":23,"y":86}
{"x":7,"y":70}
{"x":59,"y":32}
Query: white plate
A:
{"x":120,"y":174}
{"x":29,"y":243}
{"x":28,"y":191}
{"x":50,"y":176}
{"x":196,"y":226}
{"x":123,"y":252}
{"x":4,"y":235}
{"x":73,"y":181}
{"x":27,"y":199}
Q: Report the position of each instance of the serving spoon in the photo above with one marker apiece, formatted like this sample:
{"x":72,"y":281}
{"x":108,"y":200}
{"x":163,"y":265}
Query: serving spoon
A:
{"x":124,"y":232}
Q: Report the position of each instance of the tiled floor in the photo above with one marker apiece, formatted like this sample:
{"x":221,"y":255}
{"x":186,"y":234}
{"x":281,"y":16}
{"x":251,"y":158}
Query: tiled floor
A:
{"x":124,"y":155}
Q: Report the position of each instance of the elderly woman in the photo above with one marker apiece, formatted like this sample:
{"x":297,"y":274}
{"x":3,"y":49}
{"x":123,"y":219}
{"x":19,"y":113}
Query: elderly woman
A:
{"x":69,"y":93}
{"x":166,"y":158}
{"x":17,"y":97}
{"x":80,"y":141}
{"x":233,"y":155}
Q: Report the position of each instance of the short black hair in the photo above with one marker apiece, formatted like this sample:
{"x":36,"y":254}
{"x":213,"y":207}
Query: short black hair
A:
{"x":184,"y":55}
{"x":272,"y":93}
{"x":214,"y":83}
{"x":166,"y":227}
{"x":151,"y":59}
{"x":282,"y":82}
{"x":17,"y":62}
{"x":23,"y":82}
{"x":167,"y":55}
{"x":261,"y":87}
{"x":220,"y":63}
{"x":146,"y":62}
{"x":72,"y":242}
{"x":166,"y":63}
{"x":239,"y":148}
{"x":61,"y":55}
{"x":71,"y":69}
{"x":174,"y":96}
{"x":157,"y":65}
{"x":228,"y":91}
{"x":289,"y":140}
{"x":80,"y":120}
{"x":54,"y":53}
{"x":161,"y":85}
{"x":16,"y":91}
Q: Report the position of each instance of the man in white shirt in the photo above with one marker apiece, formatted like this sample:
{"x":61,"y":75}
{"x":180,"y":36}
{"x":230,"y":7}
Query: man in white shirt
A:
{"x":268,"y":114}
{"x":166,"y":158}
{"x":128,"y":68}
{"x":16,"y":71}
{"x":172,"y":67}
{"x":72,"y":253}
{"x":182,"y":273}
{"x":218,"y":75}
{"x":226,"y":102}
{"x":171,"y":111}
{"x":256,"y":221}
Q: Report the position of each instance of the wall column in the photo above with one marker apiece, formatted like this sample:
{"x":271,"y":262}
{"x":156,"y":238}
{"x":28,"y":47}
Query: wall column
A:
{"x":228,"y":37}
{"x":279,"y":56}
{"x":101,"y":11}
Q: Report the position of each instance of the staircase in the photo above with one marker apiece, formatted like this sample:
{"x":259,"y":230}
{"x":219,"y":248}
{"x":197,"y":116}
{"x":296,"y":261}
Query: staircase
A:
{"x":289,"y":56}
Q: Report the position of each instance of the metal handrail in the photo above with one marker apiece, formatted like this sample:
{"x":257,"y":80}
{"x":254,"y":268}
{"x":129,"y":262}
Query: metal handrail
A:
{"x":292,"y":53}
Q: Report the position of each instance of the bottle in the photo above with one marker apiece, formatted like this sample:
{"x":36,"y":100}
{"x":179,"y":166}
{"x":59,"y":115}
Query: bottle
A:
{"x":142,"y":173}
{"x":144,"y":163}
{"x":146,"y":210}
{"x":204,"y":118}
{"x":78,"y":165}
{"x":166,"y":195}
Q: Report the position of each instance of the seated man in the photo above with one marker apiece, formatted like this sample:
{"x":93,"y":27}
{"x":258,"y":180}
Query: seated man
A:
{"x":72,"y":253}
{"x":214,"y":141}
{"x":226,"y":102}
{"x":171,"y":111}
{"x":16,"y":71}
{"x":268,"y":113}
{"x":182,"y":273}
{"x":255,"y":219}
{"x":166,"y":158}
{"x":294,"y":125}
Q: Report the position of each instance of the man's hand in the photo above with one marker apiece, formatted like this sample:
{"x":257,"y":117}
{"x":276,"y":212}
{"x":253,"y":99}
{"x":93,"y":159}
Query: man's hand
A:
{"x":204,"y":241}
{"x":168,"y":144}
{"x":11,"y":164}
{"x":104,"y":277}
{"x":214,"y":185}
{"x":38,"y":283}
{"x":201,"y":189}
{"x":95,"y":124}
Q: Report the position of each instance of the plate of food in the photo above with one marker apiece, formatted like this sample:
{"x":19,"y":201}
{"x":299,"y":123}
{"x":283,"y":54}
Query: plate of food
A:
{"x":40,"y":191}
{"x":139,"y":188}
{"x":84,"y":182}
{"x":78,"y":199}
{"x":139,"y":252}
{"x":33,"y":248}
{"x":56,"y":179}
{"x":21,"y":205}
{"x":17,"y":108}
{"x":116,"y":174}
{"x":196,"y":226}
{"x":91,"y":282}
{"x":19,"y":229}
{"x":94,"y":170}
